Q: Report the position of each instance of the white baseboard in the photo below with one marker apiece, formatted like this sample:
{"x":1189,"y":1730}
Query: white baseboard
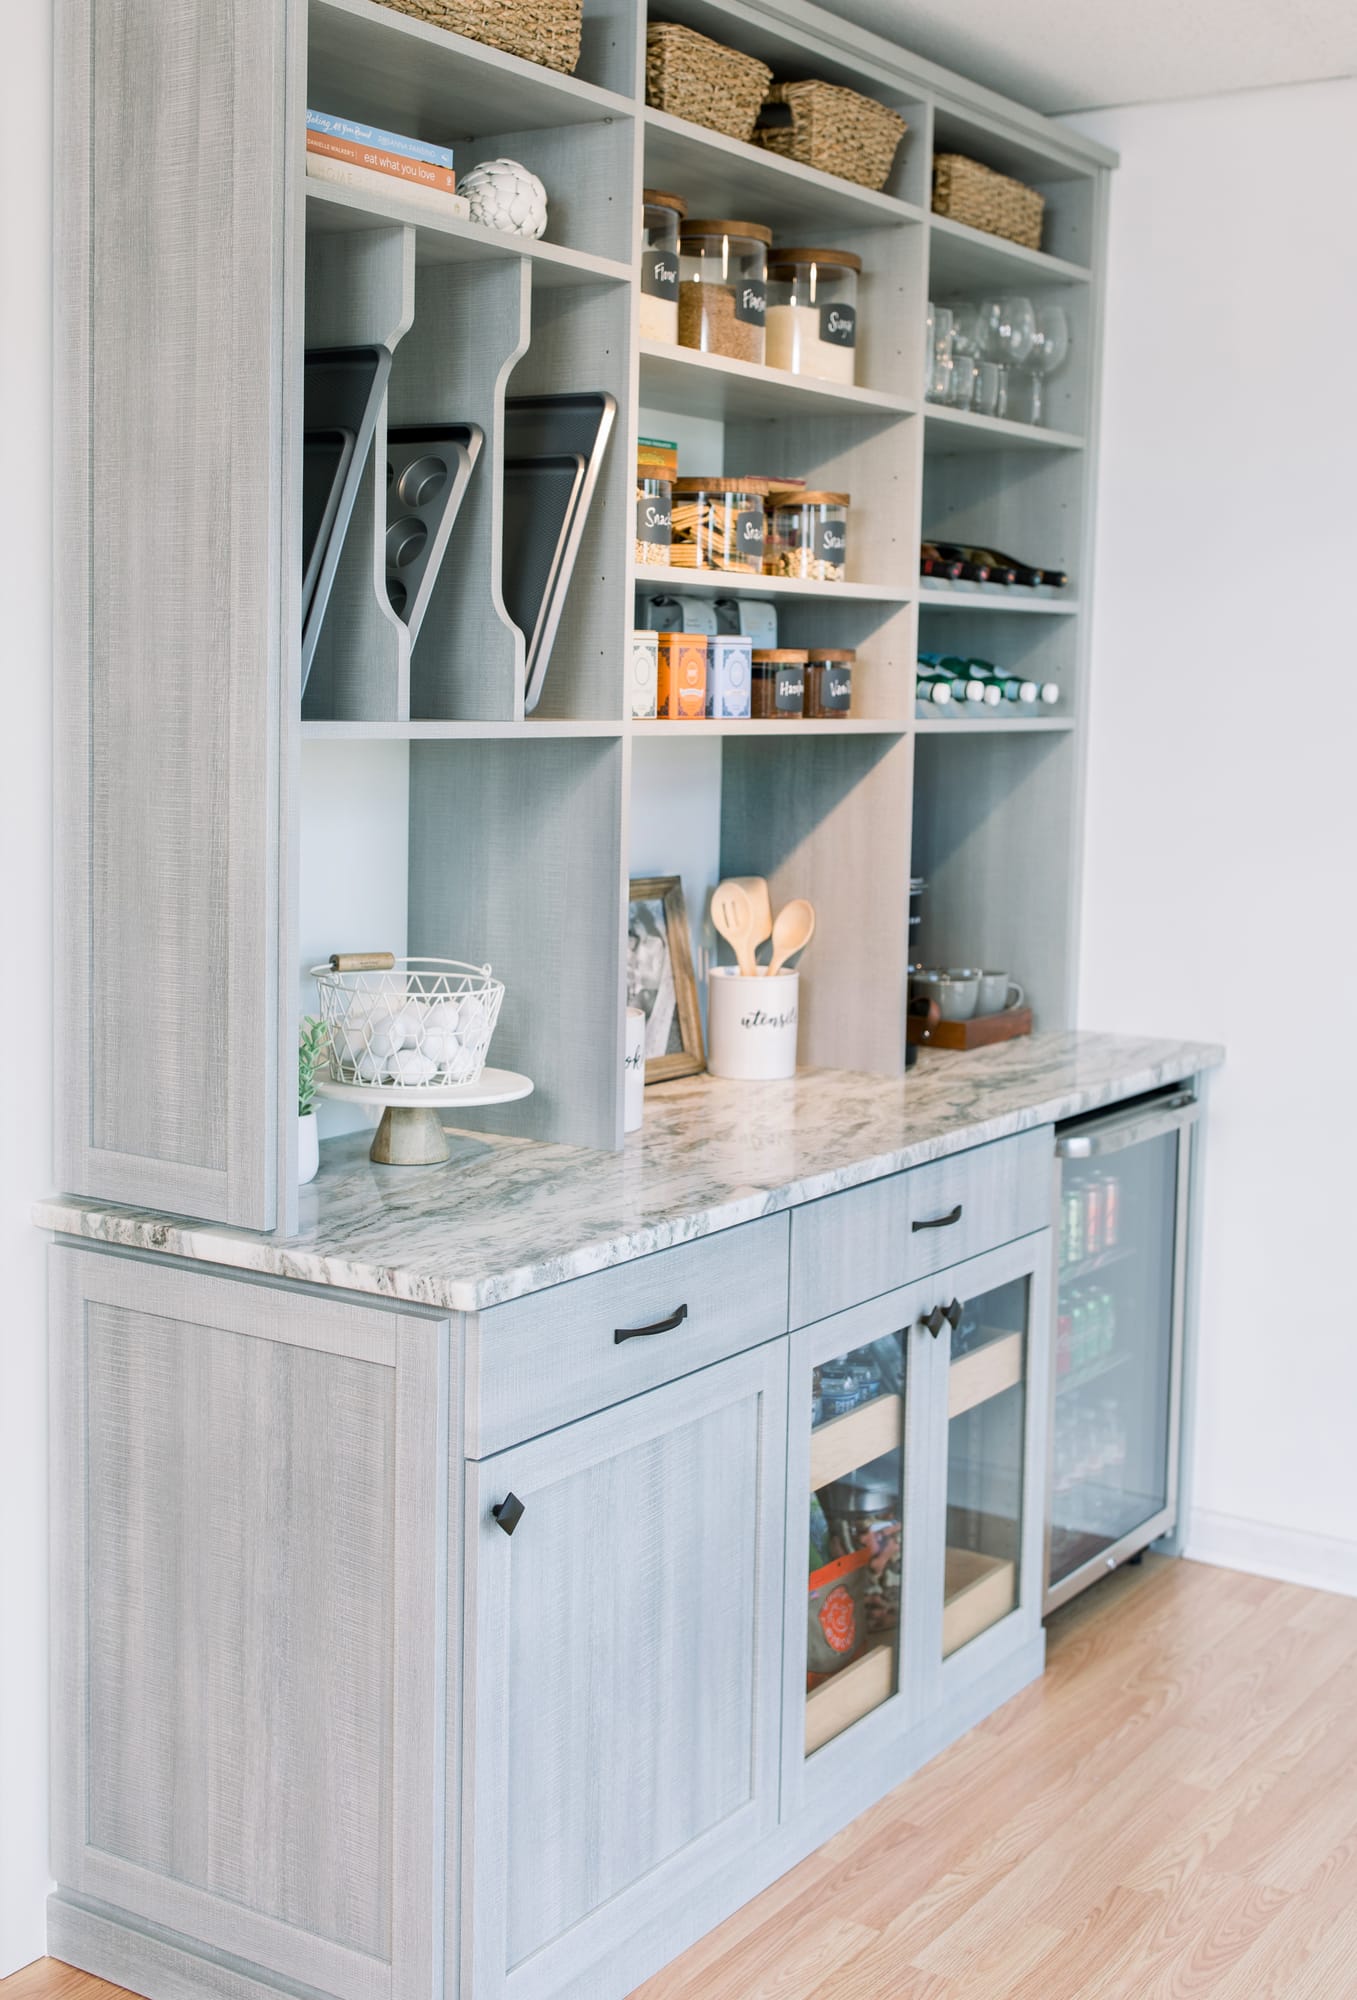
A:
{"x":1288,"y":1554}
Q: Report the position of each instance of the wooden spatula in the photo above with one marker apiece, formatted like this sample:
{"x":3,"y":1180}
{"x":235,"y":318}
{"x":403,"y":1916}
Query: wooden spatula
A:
{"x":733,"y":915}
{"x":760,"y":903}
{"x":793,"y":931}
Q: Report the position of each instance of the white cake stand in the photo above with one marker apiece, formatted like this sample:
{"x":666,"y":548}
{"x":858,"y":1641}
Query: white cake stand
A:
{"x":411,"y":1132}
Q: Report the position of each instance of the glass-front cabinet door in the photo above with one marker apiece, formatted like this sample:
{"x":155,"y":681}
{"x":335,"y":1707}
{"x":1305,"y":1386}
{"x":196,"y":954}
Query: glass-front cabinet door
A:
{"x":987,"y":1325}
{"x":853,"y":1465}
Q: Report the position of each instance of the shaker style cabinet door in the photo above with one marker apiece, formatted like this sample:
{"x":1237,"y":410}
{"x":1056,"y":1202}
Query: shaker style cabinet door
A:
{"x":622,"y":1670}
{"x":248,"y":1556}
{"x":174,"y":601}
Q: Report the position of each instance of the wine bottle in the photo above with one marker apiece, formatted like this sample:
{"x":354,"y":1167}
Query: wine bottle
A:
{"x":996,"y":569}
{"x":1028,"y":573}
{"x":1010,"y":688}
{"x":932,"y":563}
{"x":934,"y":689}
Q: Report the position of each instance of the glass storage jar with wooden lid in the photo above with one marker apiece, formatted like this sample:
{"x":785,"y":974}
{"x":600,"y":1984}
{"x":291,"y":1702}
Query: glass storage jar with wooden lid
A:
{"x":812,"y":315}
{"x":656,"y":467}
{"x":723,"y":287}
{"x":808,"y":536}
{"x":778,"y":683}
{"x":829,"y":682}
{"x":719,"y":523}
{"x":661,"y":215}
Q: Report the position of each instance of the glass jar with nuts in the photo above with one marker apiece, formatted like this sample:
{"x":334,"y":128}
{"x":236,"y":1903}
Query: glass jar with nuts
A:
{"x":808,"y":537}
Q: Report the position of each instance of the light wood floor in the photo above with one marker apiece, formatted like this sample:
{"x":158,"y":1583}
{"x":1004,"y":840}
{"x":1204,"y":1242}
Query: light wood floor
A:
{"x":1170,"y":1812}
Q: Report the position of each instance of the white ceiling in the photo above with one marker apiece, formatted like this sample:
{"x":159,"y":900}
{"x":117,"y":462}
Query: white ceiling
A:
{"x":1074,"y":55}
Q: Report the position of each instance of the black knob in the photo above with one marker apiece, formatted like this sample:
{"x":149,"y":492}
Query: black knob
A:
{"x":509,"y":1512}
{"x":953,"y":1314}
{"x":933,"y":1321}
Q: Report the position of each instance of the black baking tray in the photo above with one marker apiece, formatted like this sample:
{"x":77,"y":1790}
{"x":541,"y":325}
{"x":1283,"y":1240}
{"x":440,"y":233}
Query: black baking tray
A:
{"x":343,"y":390}
{"x":540,"y":547}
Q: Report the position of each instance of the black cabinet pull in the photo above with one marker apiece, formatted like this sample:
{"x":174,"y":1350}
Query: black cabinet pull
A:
{"x":938,"y":1221}
{"x":934,"y":1321}
{"x":508,"y":1512}
{"x":621,"y":1333}
{"x":952,"y":1314}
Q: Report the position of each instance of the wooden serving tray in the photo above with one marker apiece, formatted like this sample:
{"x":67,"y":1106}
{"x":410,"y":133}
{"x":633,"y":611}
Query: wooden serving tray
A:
{"x":977,"y":1033}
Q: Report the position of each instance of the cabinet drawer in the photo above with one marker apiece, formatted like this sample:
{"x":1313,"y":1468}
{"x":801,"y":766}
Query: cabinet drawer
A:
{"x":547,"y":1359}
{"x":854,"y":1246}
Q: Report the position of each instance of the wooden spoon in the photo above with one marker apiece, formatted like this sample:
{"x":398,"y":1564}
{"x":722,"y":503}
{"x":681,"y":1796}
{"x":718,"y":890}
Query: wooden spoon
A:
{"x":761,"y":903}
{"x":733,"y":914}
{"x":793,"y":931}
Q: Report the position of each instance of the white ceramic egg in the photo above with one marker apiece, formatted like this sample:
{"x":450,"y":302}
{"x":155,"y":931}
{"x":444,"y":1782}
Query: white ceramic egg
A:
{"x":408,"y":1023}
{"x":463,"y":1066}
{"x":410,"y":1067}
{"x":385,"y":1037}
{"x":443,"y":1015}
{"x":369,"y":1068}
{"x":440,"y":1045}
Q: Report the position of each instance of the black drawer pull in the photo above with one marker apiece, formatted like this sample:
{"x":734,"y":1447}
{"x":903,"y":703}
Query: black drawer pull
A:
{"x":952,"y":1314}
{"x":939,"y":1221}
{"x":934,"y":1321}
{"x":622,"y":1333}
{"x":508,"y":1512}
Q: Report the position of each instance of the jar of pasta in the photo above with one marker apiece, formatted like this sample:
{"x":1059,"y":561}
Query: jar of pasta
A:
{"x":723,"y":287}
{"x":813,"y":312}
{"x":808,"y":536}
{"x":661,"y":215}
{"x":718,"y":524}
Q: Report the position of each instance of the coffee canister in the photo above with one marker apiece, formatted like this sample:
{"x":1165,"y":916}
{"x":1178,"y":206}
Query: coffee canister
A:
{"x":645,"y":667}
{"x":682,"y":677}
{"x":751,"y":1024}
{"x":729,"y":660}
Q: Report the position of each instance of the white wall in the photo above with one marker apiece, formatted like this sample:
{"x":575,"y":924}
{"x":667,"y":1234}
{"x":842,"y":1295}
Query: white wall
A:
{"x":25,"y":980}
{"x":1220,"y":892}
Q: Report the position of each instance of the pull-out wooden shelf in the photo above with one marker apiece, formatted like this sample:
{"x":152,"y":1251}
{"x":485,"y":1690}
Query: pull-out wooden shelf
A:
{"x":978,"y":1591}
{"x":836,"y":1704}
{"x":846,"y":1442}
{"x":976,"y":1377}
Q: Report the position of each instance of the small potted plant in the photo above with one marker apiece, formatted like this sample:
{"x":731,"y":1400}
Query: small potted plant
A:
{"x":310,"y":1054}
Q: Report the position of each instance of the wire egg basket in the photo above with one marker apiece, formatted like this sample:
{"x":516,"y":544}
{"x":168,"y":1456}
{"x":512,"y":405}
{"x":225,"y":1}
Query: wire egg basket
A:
{"x":425,"y":1024}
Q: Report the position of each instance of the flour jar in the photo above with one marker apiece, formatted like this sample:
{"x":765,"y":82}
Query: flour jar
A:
{"x":723,"y":287}
{"x":751,"y":1024}
{"x":812,"y":314}
{"x":661,"y":215}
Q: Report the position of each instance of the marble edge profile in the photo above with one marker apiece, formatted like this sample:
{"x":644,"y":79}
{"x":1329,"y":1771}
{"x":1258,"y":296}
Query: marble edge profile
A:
{"x":406,"y":1283}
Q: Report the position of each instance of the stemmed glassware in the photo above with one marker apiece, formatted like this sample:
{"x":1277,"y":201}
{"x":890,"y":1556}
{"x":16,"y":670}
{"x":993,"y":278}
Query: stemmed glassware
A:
{"x":993,"y":355}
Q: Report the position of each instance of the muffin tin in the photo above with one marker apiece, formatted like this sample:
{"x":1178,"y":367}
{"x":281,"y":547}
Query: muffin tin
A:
{"x":428,"y":467}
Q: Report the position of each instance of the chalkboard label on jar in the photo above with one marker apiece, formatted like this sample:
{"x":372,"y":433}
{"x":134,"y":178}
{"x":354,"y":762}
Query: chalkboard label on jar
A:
{"x":789,"y":690}
{"x":749,"y":538}
{"x":654,"y":520}
{"x":839,"y":325}
{"x":828,"y":540}
{"x":751,"y":302}
{"x":660,"y":274}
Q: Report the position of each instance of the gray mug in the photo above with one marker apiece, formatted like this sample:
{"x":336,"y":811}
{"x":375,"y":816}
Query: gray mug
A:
{"x":956,"y":994}
{"x":998,"y":993}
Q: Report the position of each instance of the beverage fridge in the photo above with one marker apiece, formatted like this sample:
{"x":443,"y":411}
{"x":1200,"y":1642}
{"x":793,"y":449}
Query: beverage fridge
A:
{"x":1121,"y":1250}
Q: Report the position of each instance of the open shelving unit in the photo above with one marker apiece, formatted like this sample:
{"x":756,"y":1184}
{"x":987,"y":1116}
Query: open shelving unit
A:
{"x":477,"y":828}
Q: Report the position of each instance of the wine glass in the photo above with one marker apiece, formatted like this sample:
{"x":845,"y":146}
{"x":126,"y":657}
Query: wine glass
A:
{"x":1050,"y":350}
{"x":1009,"y":329}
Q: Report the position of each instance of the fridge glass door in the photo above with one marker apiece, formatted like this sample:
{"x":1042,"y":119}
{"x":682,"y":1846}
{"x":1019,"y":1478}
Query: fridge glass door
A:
{"x":1114,"y":1349}
{"x":986,"y":1431}
{"x":857,"y":1488}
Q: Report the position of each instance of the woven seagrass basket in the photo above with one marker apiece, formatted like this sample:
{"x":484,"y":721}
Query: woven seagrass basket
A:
{"x":967,"y":192}
{"x":541,"y":31}
{"x":692,"y":77}
{"x":839,"y":131}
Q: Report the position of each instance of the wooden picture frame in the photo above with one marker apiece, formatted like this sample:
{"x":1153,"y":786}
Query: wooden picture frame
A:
{"x":656,"y":908}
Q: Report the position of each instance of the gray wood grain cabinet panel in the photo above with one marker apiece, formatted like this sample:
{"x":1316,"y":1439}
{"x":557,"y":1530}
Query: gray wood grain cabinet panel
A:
{"x":554,"y":1356}
{"x":175,"y":595}
{"x":623,"y":1652}
{"x":248,"y":1658}
{"x":854,"y":1246}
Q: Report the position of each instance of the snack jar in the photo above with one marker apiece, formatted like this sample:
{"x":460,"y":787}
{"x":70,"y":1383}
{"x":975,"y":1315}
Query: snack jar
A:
{"x":723,"y":287}
{"x":808,"y":537}
{"x":656,"y":466}
{"x":661,"y":215}
{"x":812,"y":318}
{"x":718,"y":524}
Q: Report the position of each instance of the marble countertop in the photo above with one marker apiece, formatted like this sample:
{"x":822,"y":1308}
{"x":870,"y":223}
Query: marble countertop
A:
{"x":504,"y":1217}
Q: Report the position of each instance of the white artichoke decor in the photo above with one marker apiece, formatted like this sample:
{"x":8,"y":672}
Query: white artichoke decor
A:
{"x":504,"y":195}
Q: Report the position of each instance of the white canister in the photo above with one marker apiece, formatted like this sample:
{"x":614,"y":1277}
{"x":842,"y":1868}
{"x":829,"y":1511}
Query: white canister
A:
{"x":634,"y":1071}
{"x":645,"y":666}
{"x":751,"y":1024}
